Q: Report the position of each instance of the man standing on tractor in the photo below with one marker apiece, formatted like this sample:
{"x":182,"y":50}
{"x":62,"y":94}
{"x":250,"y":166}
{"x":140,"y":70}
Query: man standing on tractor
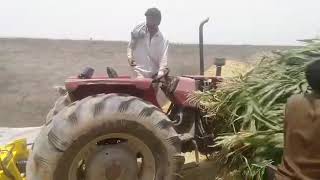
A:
{"x":148,"y":48}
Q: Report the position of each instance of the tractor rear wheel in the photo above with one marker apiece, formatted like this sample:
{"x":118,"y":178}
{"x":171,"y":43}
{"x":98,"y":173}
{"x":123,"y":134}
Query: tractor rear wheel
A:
{"x":61,"y":103}
{"x":107,"y":137}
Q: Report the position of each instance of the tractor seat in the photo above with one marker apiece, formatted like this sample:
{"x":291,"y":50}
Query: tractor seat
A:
{"x":112,"y":73}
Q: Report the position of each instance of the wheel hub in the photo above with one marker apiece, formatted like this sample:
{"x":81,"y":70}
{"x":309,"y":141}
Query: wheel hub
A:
{"x":113,"y":162}
{"x":115,"y":156}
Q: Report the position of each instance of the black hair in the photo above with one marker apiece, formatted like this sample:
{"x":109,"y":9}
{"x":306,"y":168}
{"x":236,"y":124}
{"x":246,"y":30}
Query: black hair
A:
{"x":155,"y":12}
{"x":313,"y":75}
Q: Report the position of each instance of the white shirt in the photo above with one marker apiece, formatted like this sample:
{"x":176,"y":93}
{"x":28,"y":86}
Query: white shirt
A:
{"x":150,"y":56}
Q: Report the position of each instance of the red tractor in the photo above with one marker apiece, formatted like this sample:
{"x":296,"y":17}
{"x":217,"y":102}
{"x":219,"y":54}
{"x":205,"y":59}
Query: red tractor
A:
{"x":112,"y":128}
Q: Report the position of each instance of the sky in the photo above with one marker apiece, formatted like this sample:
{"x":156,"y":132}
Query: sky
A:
{"x":256,"y":22}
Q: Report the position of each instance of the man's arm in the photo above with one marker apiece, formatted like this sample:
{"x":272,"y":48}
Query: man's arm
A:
{"x":130,"y":53}
{"x":138,"y":32}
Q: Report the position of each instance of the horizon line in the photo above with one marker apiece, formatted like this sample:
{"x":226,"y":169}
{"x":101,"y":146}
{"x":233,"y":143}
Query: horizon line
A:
{"x":123,"y":41}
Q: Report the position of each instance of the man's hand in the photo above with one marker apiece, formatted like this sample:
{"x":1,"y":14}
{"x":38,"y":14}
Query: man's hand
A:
{"x":131,"y":62}
{"x":160,"y":74}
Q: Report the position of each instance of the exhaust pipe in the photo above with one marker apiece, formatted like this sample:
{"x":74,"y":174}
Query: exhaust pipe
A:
{"x":201,"y":45}
{"x":219,"y":62}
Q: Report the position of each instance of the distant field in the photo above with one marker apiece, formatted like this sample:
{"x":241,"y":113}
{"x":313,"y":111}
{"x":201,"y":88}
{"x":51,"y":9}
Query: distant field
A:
{"x":29,"y":68}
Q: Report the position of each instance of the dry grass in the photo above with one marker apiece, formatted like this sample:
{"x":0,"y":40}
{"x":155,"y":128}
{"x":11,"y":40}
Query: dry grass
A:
{"x":232,"y":68}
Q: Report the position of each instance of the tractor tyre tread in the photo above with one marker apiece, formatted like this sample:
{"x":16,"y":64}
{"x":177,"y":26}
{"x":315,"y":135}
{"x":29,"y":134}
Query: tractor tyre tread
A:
{"x":74,"y":125}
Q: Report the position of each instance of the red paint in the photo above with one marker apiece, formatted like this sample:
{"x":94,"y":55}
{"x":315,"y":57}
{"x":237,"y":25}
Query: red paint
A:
{"x":184,"y":88}
{"x":142,"y":88}
{"x":81,"y":88}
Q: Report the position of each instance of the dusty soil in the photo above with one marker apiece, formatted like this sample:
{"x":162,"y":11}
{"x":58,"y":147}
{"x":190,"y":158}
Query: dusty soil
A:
{"x":29,"y":68}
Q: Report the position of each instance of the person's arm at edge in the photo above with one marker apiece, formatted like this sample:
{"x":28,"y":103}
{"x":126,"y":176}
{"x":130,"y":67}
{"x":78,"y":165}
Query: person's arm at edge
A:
{"x":130,"y":53}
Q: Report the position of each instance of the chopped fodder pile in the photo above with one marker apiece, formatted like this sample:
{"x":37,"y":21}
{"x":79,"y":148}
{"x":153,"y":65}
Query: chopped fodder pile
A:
{"x":248,"y":111}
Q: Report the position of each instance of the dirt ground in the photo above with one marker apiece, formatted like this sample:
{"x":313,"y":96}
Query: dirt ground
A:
{"x":29,"y":68}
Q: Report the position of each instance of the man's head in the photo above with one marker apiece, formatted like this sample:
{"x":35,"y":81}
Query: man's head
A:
{"x":313,"y":75}
{"x":153,"y":19}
